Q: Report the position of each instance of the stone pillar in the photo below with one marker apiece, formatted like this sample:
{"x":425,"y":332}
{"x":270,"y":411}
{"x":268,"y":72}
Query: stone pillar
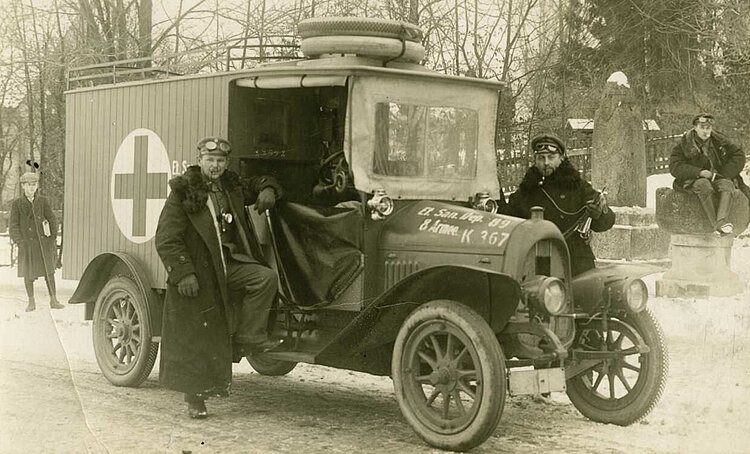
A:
{"x":618,"y":148}
{"x":701,"y":259}
{"x":618,"y":163}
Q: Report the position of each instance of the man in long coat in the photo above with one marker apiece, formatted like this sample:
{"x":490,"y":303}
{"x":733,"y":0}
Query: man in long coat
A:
{"x":33,"y":228}
{"x":554,"y":184}
{"x":206,"y":244}
{"x":705,"y":163}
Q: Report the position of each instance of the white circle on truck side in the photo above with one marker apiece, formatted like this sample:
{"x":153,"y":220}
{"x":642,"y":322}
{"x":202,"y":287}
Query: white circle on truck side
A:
{"x":139,"y":184}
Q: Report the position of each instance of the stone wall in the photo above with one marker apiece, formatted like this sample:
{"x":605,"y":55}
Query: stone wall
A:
{"x":634,"y":237}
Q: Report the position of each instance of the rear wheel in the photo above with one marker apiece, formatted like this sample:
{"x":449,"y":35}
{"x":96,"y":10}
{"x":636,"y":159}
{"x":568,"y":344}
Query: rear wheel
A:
{"x":270,"y":367}
{"x":122,"y":333}
{"x":623,"y":389}
{"x":449,"y":375}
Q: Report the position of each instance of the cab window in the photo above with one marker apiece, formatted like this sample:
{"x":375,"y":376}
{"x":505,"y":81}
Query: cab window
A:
{"x":425,"y":141}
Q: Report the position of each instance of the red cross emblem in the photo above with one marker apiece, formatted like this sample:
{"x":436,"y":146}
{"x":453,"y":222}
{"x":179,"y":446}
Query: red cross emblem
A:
{"x":139,"y":184}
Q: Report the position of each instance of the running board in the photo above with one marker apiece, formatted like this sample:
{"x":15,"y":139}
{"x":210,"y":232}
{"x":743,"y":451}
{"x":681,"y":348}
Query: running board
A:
{"x":297,"y":357}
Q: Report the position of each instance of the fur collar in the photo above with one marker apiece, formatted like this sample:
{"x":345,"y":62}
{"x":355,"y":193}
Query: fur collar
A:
{"x":566,"y":177}
{"x":191,"y":189}
{"x":689,"y":146}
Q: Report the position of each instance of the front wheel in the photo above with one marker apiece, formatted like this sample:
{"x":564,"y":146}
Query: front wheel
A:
{"x":625,"y":388}
{"x":449,"y":375}
{"x":122,"y":333}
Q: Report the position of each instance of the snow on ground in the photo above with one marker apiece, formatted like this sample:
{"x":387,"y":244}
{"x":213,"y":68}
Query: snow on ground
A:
{"x":655,"y":182}
{"x":705,"y":408}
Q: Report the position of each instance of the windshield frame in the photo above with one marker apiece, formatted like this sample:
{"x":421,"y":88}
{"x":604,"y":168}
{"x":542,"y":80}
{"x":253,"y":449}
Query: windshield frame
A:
{"x":365,"y":92}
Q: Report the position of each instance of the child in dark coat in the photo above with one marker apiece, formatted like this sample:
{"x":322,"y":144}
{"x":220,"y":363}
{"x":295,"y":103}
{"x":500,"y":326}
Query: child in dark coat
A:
{"x":33,"y":228}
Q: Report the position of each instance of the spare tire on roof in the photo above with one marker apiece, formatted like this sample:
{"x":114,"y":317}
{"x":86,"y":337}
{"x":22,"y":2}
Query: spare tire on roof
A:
{"x":365,"y":46}
{"x":359,"y":26}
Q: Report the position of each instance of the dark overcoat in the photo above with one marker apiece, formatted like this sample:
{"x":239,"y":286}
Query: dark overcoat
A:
{"x":570,"y":193}
{"x":196,"y":347}
{"x":687,"y":160}
{"x":37,"y":253}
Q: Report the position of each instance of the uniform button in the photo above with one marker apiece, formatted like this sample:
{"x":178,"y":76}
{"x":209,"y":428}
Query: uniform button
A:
{"x":205,"y":323}
{"x":169,"y":268}
{"x":182,"y":259}
{"x":562,"y":196}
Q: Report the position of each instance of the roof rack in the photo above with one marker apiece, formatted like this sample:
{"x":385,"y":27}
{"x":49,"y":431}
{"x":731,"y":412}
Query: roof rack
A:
{"x":227,"y":55}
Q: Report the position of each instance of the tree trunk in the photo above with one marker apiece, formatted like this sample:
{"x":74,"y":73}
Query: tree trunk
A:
{"x":21,"y":29}
{"x":120,"y":33}
{"x":144,"y":30}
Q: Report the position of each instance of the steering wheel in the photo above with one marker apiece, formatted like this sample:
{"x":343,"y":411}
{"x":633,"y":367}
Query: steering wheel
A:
{"x":334,"y":171}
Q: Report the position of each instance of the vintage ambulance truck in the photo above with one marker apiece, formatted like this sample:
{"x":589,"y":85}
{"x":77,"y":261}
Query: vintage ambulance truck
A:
{"x":402,"y":268}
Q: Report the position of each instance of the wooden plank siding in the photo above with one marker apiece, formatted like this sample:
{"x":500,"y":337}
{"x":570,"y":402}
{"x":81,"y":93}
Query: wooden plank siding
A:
{"x":179,"y":111}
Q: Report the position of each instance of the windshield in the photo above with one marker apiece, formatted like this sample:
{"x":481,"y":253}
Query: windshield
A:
{"x":425,"y":141}
{"x":418,"y":138}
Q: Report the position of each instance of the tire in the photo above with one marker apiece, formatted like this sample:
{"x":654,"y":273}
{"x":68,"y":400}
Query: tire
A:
{"x":122,"y":333}
{"x":359,"y":26}
{"x":423,"y":377}
{"x":366,"y":46}
{"x":270,"y":367}
{"x":621,"y":404}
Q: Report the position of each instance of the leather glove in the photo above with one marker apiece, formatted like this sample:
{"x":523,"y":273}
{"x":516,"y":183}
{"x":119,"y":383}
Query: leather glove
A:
{"x":266,"y":200}
{"x":188,"y":286}
{"x":596,"y":208}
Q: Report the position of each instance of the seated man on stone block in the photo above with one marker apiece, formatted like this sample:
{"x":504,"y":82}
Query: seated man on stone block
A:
{"x":705,"y":163}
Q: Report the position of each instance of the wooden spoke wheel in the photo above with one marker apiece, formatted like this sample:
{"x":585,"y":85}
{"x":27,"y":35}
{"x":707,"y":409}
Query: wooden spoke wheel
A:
{"x":449,"y":375}
{"x":625,"y":388}
{"x":122,"y":333}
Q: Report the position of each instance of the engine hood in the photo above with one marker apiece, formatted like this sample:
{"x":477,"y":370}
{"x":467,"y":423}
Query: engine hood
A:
{"x":439,"y":226}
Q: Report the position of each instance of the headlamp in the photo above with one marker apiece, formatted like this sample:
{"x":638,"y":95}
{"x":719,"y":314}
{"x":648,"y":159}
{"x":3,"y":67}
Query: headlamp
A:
{"x":380,"y":205}
{"x":545,"y":294}
{"x":483,"y":202}
{"x":629,"y":294}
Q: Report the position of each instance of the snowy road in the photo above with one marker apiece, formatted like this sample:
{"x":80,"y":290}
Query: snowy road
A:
{"x":55,"y":400}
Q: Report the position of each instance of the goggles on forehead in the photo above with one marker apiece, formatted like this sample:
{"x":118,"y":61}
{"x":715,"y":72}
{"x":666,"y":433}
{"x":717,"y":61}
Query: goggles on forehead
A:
{"x":705,"y":121}
{"x":546,"y":146}
{"x":212,"y":145}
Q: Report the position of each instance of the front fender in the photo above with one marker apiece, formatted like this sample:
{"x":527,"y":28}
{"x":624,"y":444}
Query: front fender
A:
{"x":588,"y":287}
{"x":101,"y":269}
{"x":491,"y":294}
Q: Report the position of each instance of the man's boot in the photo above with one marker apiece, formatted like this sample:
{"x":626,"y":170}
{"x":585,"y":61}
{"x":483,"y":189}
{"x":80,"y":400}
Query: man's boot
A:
{"x":707,"y":203}
{"x":725,"y":202}
{"x":196,"y":406}
{"x":32,"y":304}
